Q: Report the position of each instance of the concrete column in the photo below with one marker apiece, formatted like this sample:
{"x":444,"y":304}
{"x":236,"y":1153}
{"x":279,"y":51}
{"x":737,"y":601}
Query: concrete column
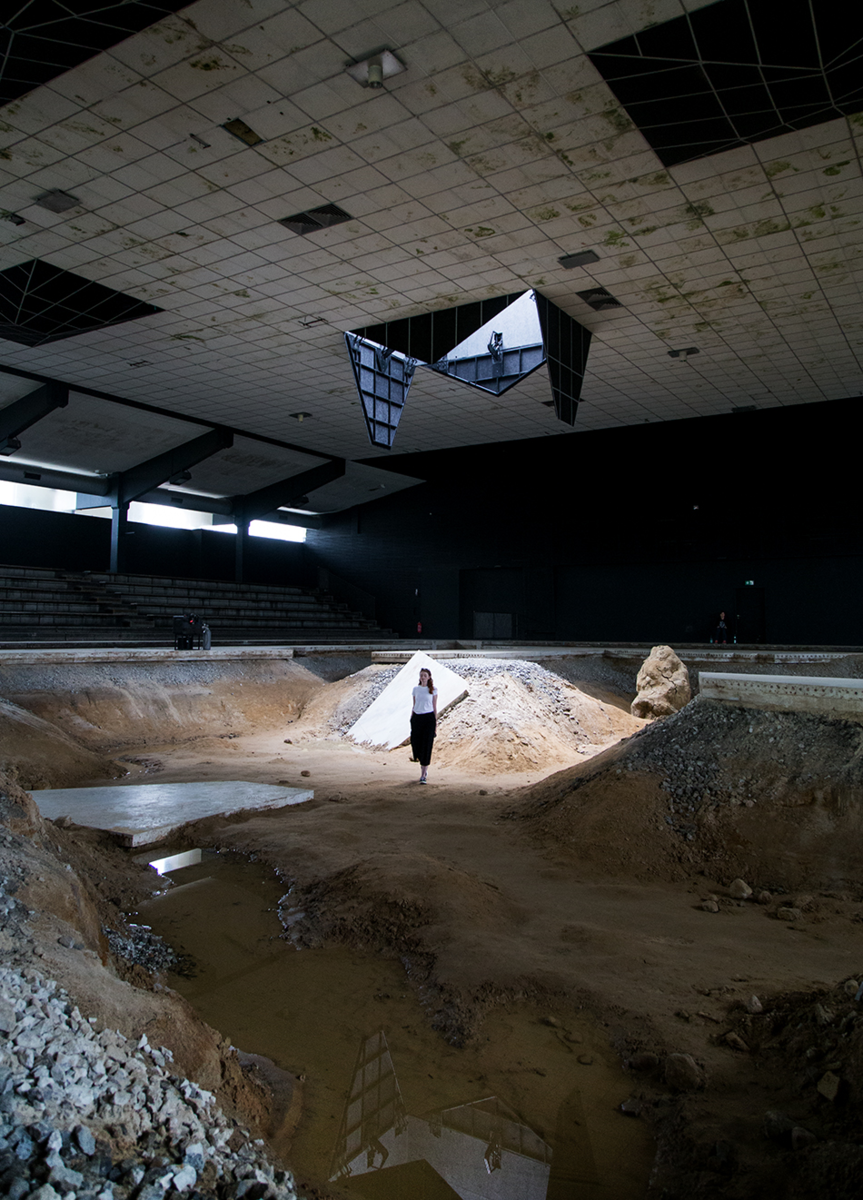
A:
{"x":240,"y":549}
{"x":119,"y":524}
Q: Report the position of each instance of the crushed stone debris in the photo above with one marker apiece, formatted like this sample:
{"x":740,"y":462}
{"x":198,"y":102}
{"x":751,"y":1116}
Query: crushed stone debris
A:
{"x":702,"y":753}
{"x":68,"y":1090}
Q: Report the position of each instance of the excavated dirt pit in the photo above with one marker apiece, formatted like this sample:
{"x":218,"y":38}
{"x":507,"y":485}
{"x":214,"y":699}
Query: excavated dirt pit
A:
{"x":550,"y":881}
{"x":546,"y":1091}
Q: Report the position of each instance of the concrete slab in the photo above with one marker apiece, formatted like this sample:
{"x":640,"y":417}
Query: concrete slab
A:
{"x":686,"y":654}
{"x":144,"y":814}
{"x":786,"y":693}
{"x":387,"y":720}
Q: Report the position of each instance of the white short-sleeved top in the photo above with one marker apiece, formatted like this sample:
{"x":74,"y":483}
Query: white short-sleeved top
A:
{"x":423,"y":700}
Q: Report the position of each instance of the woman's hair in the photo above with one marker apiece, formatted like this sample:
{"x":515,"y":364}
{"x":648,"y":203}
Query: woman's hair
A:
{"x":431,"y":681}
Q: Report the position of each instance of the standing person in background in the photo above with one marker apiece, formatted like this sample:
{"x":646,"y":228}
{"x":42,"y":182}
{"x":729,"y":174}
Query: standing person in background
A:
{"x":721,"y":634}
{"x":423,"y":721}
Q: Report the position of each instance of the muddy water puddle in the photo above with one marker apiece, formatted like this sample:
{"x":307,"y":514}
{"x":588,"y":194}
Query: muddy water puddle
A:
{"x":528,"y":1111}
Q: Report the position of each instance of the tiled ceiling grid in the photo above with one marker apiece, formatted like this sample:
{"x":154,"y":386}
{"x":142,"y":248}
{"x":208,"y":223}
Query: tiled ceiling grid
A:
{"x":499,"y":149}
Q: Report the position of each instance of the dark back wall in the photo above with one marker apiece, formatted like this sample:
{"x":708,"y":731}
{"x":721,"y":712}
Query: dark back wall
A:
{"x":640,"y":533}
{"x":29,"y":537}
{"x":637,"y":534}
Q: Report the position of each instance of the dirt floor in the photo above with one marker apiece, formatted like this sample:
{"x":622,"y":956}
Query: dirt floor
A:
{"x":695,"y":883}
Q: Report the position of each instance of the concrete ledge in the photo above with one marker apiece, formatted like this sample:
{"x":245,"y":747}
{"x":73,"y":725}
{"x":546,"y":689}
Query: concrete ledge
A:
{"x":786,"y":693}
{"x":144,"y":814}
{"x":165,"y":654}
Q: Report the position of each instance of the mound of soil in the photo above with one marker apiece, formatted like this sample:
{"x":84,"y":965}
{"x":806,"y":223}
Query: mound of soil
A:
{"x":337,"y":706}
{"x":775,"y":797}
{"x":517,"y":716}
{"x":36,"y":754}
{"x":523,"y":724}
{"x":108,"y":705}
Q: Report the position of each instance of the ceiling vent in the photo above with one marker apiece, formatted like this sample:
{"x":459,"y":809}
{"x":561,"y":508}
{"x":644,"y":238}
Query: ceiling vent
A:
{"x":581,"y":259}
{"x":40,"y":303}
{"x":599,"y":299}
{"x":316,"y":218}
{"x":57,"y":201}
{"x":242,"y":131}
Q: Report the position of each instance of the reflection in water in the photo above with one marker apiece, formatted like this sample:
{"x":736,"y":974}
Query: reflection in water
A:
{"x":478,"y":1151}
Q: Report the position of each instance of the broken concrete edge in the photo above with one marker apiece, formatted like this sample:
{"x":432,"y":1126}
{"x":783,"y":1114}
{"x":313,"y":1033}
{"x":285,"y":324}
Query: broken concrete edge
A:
{"x":117,"y":655}
{"x":132,"y":839}
{"x":785,"y":693}
{"x":382,"y":653}
{"x":539,"y":651}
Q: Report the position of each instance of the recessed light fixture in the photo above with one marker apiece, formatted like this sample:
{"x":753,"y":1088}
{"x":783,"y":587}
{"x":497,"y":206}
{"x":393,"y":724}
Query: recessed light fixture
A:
{"x":308,"y":322}
{"x":300,"y":416}
{"x":599,"y":299}
{"x":316,"y":218}
{"x":372,"y":71}
{"x":581,"y":259}
{"x":243,"y":131}
{"x":683,"y":355}
{"x":200,"y":141}
{"x":57,"y":201}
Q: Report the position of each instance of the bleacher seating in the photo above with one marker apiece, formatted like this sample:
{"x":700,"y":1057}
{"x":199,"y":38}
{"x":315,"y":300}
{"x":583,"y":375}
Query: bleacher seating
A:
{"x":63,"y":608}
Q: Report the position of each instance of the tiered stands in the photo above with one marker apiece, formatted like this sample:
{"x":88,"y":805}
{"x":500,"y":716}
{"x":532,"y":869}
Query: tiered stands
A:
{"x":53,"y":607}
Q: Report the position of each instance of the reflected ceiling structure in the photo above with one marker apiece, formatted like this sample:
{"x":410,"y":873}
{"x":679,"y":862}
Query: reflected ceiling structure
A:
{"x":475,"y":1150}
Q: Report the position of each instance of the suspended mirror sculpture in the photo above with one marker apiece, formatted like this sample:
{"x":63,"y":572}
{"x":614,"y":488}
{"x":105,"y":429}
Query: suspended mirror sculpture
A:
{"x":488,"y":344}
{"x":383,"y":378}
{"x":501,"y":352}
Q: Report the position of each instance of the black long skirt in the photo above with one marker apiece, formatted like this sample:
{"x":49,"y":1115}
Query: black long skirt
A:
{"x":423,"y":729}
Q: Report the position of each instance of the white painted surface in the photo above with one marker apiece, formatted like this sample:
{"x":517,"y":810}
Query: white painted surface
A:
{"x":145,"y":813}
{"x":786,"y":693}
{"x":387,"y":720}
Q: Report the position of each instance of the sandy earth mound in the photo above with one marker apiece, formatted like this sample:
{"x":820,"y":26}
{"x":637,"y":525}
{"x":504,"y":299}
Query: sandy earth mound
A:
{"x":775,"y":797}
{"x":108,"y":705}
{"x":521,"y":724}
{"x":38,"y":755}
{"x":517,"y":717}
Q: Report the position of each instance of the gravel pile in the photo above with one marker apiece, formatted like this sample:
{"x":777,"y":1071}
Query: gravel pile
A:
{"x":714,"y":755}
{"x":138,"y":945}
{"x":530,"y":674}
{"x":69,"y":1095}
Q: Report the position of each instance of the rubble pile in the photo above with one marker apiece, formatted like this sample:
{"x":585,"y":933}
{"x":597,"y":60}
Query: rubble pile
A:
{"x":86,"y":1113}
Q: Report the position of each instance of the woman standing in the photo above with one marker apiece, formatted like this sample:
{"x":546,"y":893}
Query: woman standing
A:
{"x":423,"y":721}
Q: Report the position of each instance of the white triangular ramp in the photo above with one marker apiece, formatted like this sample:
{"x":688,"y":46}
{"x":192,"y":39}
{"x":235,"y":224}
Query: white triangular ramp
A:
{"x":387,"y":720}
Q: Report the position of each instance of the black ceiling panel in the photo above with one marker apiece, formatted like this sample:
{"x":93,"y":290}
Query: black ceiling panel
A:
{"x":736,"y":72}
{"x":315,"y":219}
{"x":40,"y":303}
{"x":40,"y":39}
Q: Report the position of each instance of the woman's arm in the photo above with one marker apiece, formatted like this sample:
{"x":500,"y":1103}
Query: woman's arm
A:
{"x":434,"y":703}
